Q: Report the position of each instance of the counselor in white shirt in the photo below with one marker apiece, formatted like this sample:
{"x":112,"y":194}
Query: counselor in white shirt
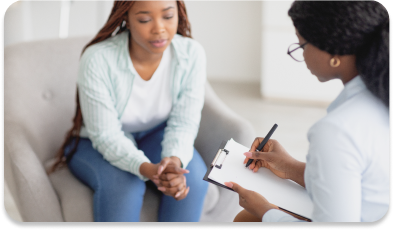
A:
{"x":347,"y":170}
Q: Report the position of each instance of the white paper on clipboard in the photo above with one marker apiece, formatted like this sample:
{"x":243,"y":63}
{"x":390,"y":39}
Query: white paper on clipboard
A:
{"x":281,"y":192}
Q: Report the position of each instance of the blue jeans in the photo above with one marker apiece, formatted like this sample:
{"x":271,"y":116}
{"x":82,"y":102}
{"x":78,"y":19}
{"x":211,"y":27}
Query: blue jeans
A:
{"x":118,"y":195}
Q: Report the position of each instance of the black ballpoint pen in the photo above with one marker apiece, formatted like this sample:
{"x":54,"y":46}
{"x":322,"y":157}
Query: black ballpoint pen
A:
{"x":262,"y":144}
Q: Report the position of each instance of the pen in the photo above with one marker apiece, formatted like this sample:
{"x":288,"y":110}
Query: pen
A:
{"x":261,"y":145}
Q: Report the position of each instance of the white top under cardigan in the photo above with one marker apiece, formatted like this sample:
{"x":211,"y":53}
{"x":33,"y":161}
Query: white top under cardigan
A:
{"x":105,"y":81}
{"x":347,"y":167}
{"x":150,"y":101}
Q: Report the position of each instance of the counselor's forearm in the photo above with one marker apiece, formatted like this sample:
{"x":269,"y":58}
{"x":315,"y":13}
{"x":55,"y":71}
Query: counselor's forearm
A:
{"x":297,"y":173}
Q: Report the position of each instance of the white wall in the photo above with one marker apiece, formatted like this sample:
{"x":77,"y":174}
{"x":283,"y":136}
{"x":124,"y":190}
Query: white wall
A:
{"x":37,"y":20}
{"x":281,"y":76}
{"x":230,"y":33}
{"x":16,"y":27}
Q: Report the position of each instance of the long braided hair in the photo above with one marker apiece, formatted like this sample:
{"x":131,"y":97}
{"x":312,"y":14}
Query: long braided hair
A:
{"x":114,"y":25}
{"x":359,"y":28}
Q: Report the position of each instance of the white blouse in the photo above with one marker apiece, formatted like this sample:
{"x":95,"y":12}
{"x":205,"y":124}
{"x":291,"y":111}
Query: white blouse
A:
{"x":347,"y":167}
{"x":150,"y":101}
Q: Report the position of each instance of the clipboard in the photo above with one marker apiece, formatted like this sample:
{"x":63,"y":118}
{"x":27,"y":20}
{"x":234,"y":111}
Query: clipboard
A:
{"x":227,"y":165}
{"x":219,"y":152}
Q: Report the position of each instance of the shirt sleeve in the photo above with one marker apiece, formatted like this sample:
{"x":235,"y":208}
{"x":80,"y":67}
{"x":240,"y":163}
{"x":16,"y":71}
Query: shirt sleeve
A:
{"x":184,"y":120}
{"x":275,"y":215}
{"x":101,"y":120}
{"x":333,"y":174}
{"x":332,"y":177}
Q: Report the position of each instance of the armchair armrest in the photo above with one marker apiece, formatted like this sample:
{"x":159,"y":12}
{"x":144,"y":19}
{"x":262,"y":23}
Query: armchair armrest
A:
{"x":27,"y":179}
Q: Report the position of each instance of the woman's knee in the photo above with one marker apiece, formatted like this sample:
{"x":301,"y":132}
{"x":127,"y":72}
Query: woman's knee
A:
{"x":91,"y":168}
{"x":120,"y":181}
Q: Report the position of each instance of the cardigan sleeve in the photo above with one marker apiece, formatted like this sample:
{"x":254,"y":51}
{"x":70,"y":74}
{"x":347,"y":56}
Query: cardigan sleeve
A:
{"x":184,"y":120}
{"x":274,"y":215}
{"x":100,"y":116}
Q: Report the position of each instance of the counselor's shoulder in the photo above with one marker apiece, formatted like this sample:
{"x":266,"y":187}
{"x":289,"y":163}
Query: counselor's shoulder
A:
{"x":359,"y":124}
{"x":360,"y":113}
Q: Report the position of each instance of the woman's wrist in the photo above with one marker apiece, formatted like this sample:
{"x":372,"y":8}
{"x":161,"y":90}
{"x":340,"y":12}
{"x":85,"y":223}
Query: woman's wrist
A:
{"x":297,"y":172}
{"x":148,"y":169}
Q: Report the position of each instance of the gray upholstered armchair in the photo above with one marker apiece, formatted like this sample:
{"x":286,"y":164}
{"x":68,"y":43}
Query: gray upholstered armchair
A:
{"x":39,"y":85}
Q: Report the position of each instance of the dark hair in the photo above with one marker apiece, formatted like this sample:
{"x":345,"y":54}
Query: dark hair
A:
{"x":359,"y":28}
{"x":113,"y":26}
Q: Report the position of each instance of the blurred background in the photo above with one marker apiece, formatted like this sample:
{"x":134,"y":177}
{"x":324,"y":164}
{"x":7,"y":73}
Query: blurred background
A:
{"x":246,"y":44}
{"x":245,"y":41}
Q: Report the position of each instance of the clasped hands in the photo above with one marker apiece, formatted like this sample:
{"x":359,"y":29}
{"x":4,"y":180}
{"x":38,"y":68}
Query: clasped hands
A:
{"x":168,"y":176}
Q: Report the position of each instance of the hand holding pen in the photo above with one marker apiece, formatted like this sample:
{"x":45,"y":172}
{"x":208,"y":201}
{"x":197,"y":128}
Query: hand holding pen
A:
{"x":275,"y":158}
{"x":251,"y":162}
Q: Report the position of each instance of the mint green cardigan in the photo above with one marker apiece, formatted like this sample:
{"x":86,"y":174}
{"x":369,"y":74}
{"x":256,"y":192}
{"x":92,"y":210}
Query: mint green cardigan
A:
{"x":105,"y":81}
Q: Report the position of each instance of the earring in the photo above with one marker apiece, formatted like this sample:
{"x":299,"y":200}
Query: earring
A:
{"x":124,"y":24}
{"x":335,"y":62}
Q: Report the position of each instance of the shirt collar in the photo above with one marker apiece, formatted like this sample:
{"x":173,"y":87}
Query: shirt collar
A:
{"x":180,"y":52}
{"x":353,"y":87}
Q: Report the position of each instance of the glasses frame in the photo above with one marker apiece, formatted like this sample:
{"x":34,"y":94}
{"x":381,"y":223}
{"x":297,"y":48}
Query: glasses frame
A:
{"x":300,"y":46}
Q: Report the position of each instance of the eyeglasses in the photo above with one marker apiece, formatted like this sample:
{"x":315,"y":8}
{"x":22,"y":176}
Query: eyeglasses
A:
{"x":296,"y":51}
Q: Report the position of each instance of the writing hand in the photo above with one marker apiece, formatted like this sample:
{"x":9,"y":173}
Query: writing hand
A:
{"x":274,"y":157}
{"x":256,"y":164}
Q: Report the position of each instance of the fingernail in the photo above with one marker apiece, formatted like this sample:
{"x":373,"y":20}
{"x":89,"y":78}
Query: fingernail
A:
{"x":178,"y":194}
{"x":156,"y":181}
{"x":186,"y":171}
{"x":228,"y":184}
{"x":248,"y":154}
{"x":161,"y":189}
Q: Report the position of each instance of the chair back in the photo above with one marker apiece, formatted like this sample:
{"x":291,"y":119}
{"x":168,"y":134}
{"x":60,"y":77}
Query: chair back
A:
{"x":39,"y":90}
